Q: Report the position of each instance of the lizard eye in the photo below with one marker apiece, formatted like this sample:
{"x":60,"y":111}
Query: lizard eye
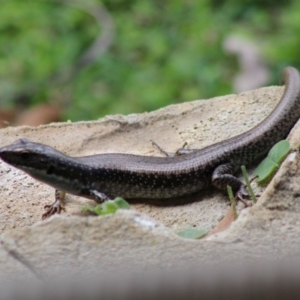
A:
{"x":50,"y":170}
{"x":25,"y":155}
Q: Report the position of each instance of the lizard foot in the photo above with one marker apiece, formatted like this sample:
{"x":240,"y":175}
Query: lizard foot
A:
{"x":243,"y":194}
{"x":52,"y":209}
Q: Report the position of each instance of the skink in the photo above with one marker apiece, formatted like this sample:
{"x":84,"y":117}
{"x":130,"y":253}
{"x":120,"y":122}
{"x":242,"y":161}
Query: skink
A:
{"x":105,"y":176}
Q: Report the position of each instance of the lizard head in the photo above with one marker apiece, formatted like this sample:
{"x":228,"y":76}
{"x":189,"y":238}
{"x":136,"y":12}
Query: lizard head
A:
{"x":38,"y":160}
{"x":23,"y":153}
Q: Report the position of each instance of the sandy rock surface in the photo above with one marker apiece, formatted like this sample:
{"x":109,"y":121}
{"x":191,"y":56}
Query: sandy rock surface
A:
{"x":199,"y":123}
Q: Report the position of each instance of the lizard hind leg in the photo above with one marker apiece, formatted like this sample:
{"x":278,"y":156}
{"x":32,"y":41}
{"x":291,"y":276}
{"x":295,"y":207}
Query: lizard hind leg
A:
{"x":222,"y":177}
{"x":181,"y":151}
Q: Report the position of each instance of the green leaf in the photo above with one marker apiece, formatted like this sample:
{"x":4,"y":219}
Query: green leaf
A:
{"x":279,"y":151}
{"x":108,"y":207}
{"x":266,"y":169}
{"x":192,"y":233}
{"x":121,"y":203}
{"x":98,"y":209}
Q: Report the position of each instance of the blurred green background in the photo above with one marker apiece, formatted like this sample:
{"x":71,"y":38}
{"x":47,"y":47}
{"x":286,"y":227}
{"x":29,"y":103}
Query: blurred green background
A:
{"x":151,"y":53}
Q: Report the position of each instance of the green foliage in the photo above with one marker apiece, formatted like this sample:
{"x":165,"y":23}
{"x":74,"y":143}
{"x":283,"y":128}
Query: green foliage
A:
{"x":38,"y":39}
{"x":162,"y":52}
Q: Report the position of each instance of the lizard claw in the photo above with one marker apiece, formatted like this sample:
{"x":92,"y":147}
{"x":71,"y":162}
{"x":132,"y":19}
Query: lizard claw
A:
{"x":52,"y":209}
{"x":243,"y":194}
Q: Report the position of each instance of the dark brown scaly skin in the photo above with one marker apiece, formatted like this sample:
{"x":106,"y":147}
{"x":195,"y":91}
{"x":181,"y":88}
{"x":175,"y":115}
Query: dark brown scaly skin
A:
{"x":105,"y":176}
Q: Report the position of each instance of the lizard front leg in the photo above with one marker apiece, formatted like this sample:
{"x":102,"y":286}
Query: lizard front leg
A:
{"x":57,"y":206}
{"x":99,"y":197}
{"x":59,"y":202}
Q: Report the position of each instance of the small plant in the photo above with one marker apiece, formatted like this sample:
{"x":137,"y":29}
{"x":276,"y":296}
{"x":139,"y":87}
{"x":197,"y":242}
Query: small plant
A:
{"x":108,"y":207}
{"x":251,"y":193}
